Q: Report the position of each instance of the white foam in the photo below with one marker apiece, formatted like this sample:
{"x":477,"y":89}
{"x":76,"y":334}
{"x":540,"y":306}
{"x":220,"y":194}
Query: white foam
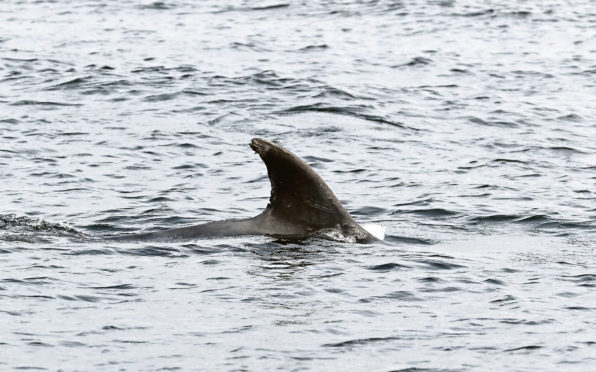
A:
{"x":337,"y":235}
{"x":378,"y":231}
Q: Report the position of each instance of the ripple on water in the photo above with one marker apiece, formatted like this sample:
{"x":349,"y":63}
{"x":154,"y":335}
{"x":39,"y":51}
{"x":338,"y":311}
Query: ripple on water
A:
{"x":361,"y":341}
{"x":440,"y":265}
{"x":390,"y":266}
{"x":474,"y":150}
{"x":158,"y":251}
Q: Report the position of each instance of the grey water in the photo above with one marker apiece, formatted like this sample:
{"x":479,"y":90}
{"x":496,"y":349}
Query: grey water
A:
{"x":466,"y":128}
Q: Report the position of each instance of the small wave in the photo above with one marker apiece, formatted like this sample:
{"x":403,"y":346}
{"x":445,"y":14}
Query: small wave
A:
{"x":116,"y":84}
{"x":11,"y":59}
{"x":538,"y":221}
{"x":407,"y":240}
{"x":396,"y":295}
{"x":253,"y":8}
{"x":157,"y":5}
{"x":331,"y":92}
{"x":369,"y":211}
{"x":161,"y":97}
{"x":505,"y":160}
{"x":583,"y":280}
{"x":270,"y":7}
{"x":414,"y":62}
{"x":90,"y":252}
{"x":532,"y":74}
{"x":388,"y":267}
{"x":426,"y":201}
{"x":115,"y":287}
{"x":103,"y":227}
{"x":492,"y":13}
{"x":517,"y":14}
{"x":197,"y":250}
{"x":266,"y":78}
{"x":44,"y":103}
{"x":249,"y":46}
{"x":498,"y":123}
{"x":18,"y":238}
{"x":428,"y":212}
{"x":493,"y":218}
{"x":41,"y":280}
{"x":310,"y":48}
{"x":430,"y":279}
{"x":571,"y":117}
{"x":12,"y":222}
{"x":361,"y":341}
{"x":37,"y":344}
{"x":311,"y":159}
{"x":160,"y":199}
{"x":524,"y":348}
{"x":563,"y":225}
{"x":159,"y":251}
{"x":537,"y":218}
{"x":354,"y":111}
{"x":579,"y":308}
{"x":506,"y":300}
{"x":417,"y":369}
{"x":565,"y":149}
{"x":85,"y":298}
{"x":478,"y":13}
{"x":270,"y":78}
{"x":464,"y":71}
{"x":439,"y":265}
{"x":75,"y":83}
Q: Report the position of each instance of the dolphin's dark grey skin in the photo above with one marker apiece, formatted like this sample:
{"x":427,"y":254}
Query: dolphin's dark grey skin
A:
{"x":301,"y":205}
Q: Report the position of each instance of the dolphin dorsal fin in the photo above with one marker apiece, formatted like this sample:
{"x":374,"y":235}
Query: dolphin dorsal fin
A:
{"x":298,"y":194}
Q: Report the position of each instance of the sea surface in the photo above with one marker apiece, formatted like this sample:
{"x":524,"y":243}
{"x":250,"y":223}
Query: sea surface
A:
{"x":466,"y":128}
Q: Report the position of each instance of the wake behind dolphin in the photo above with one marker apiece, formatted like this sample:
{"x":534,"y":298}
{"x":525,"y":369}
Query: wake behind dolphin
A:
{"x":301,"y":205}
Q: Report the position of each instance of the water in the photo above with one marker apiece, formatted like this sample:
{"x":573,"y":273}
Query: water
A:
{"x":466,"y":129}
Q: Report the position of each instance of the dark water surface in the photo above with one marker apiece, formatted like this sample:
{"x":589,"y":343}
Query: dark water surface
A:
{"x":467,"y":129}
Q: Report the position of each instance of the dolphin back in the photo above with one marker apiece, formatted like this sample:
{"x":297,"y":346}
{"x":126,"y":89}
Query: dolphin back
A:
{"x":301,"y":204}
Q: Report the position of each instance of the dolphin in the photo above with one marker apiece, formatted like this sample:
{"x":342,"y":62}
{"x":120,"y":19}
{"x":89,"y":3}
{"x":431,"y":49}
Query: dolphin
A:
{"x":301,"y":205}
